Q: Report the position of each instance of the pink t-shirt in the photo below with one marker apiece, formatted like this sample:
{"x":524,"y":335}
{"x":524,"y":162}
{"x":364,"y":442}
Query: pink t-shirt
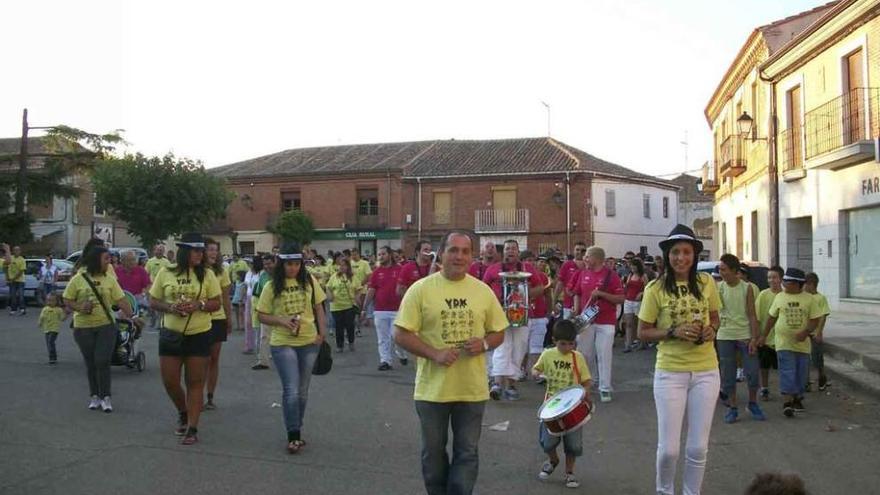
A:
{"x":589,"y":280}
{"x":134,"y":281}
{"x":478,"y":269}
{"x":567,"y":273}
{"x":384,"y":281}
{"x":492,"y":278}
{"x":411,"y":271}
{"x":538,"y":305}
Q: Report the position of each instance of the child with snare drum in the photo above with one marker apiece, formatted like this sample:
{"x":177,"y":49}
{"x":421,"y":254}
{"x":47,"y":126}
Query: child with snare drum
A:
{"x":563,"y":367}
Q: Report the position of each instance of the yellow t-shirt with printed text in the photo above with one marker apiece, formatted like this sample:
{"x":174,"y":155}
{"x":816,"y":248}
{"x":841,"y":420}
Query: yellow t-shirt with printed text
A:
{"x":50,"y":319}
{"x":292,"y":301}
{"x":153,"y":265}
{"x":558,"y":369}
{"x":344,"y":291}
{"x":762,"y":311}
{"x":793,"y":312}
{"x":172,"y":287}
{"x":15,"y":269}
{"x":666,"y":310}
{"x":225,"y":281}
{"x":445,"y":314}
{"x":79,"y":291}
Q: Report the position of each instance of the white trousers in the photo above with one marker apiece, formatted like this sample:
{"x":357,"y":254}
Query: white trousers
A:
{"x":508,"y":357}
{"x":537,"y":332}
{"x":596,"y":343}
{"x":674,"y":394}
{"x":384,"y":321}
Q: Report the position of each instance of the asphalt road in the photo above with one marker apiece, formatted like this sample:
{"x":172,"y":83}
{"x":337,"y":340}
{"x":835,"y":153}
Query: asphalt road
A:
{"x":363,"y":437}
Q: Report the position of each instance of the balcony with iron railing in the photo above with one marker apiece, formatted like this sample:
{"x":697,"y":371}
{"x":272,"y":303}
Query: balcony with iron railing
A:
{"x":368,"y":217}
{"x":710,"y":182}
{"x":733,"y":159}
{"x":501,"y":221}
{"x":840,"y":132}
{"x":791,"y":153}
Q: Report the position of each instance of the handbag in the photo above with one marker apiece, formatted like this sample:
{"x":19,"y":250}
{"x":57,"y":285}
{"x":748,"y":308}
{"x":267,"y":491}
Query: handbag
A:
{"x":171,"y":341}
{"x":324,"y":361}
{"x":101,"y":300}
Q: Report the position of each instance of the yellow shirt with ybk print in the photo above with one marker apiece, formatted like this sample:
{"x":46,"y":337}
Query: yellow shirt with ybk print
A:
{"x":293,"y":300}
{"x":445,"y":314}
{"x":172,"y":287}
{"x":224,"y":281}
{"x":558,"y":369}
{"x":666,"y":310}
{"x":344,"y":291}
{"x":793,"y":312}
{"x":79,"y":291}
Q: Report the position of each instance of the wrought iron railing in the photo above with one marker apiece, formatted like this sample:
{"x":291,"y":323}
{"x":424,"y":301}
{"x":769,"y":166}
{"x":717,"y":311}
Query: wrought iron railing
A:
{"x":791,"y":149}
{"x":845,"y":120}
{"x":710,"y":181}
{"x":501,"y":220}
{"x":732,"y":153}
{"x":366,"y":218}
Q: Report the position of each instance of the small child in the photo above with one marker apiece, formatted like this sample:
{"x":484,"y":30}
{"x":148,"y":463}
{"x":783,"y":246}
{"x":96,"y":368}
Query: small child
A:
{"x":794,"y":316}
{"x":50,"y":322}
{"x":818,"y":355}
{"x":562,"y":367}
{"x":238,"y":295}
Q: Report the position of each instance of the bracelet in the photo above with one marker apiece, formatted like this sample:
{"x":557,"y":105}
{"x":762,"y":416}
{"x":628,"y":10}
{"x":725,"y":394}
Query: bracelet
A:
{"x":485,"y":346}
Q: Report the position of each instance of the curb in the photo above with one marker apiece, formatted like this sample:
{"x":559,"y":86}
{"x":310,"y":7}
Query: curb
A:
{"x":860,"y":379}
{"x":849,"y":355}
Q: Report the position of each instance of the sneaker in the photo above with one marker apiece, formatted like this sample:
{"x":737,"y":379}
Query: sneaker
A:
{"x":571,"y":481}
{"x":495,"y":392}
{"x":404,"y":361}
{"x":740,"y":376}
{"x":106,"y":406}
{"x":546,"y":470}
{"x":384,"y":367}
{"x":209,"y":405}
{"x":358,"y":333}
{"x":11,"y":312}
{"x":181,"y":424}
{"x":628,"y":349}
{"x":94,"y":403}
{"x":351,"y":347}
{"x":765,"y":394}
{"x":340,"y":349}
{"x":731,"y":415}
{"x":511,"y":394}
{"x":604,"y":396}
{"x":248,"y":351}
{"x":756,"y":411}
{"x":788,"y":410}
{"x":541,"y":380}
{"x":798,"y":405}
{"x":53,"y":361}
{"x":823,"y":382}
{"x":722,"y":396}
{"x":22,"y":313}
{"x":259,"y":366}
{"x":809,"y":387}
{"x":190,"y":437}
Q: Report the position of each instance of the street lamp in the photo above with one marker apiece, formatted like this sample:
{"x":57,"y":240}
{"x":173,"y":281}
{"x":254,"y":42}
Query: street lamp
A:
{"x":744,"y":125}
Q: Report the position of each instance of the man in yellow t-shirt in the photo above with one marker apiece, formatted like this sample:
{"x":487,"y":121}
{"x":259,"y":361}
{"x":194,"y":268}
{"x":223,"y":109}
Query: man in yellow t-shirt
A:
{"x":153,"y":265}
{"x":14,"y":266}
{"x":450,"y":320}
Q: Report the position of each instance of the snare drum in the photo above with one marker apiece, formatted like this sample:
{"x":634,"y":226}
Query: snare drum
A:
{"x":565,"y":411}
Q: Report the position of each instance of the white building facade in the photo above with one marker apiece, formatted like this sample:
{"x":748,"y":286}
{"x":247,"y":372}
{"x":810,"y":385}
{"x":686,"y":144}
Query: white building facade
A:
{"x":632,"y":216}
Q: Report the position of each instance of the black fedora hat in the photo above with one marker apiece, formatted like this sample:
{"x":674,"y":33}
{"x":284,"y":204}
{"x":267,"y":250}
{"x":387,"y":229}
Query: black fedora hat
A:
{"x":290,"y":251}
{"x":794,"y":275}
{"x":682,"y":233}
{"x":191,"y":240}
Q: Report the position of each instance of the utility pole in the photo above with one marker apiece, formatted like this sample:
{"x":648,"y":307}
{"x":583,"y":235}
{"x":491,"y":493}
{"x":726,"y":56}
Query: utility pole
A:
{"x":548,"y":116}
{"x":685,"y":144}
{"x":22,"y":167}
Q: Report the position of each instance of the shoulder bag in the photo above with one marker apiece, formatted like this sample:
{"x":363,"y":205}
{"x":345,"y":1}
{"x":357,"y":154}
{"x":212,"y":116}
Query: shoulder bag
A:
{"x":171,"y":341}
{"x":101,"y":300}
{"x":324,"y":361}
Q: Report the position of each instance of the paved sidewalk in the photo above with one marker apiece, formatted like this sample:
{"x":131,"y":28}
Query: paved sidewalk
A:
{"x":852,"y":342}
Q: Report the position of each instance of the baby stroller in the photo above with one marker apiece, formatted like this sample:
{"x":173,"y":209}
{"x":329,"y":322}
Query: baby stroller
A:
{"x":127,"y":349}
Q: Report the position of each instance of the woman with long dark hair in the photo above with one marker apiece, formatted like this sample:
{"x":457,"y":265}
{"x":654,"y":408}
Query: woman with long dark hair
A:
{"x":291,"y":306}
{"x":680,"y":311}
{"x":633,"y":288}
{"x":221,"y":320}
{"x":188,"y":294}
{"x":342,"y":290}
{"x":93,"y":328}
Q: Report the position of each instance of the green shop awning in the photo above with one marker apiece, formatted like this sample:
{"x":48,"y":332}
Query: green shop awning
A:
{"x":341,"y":235}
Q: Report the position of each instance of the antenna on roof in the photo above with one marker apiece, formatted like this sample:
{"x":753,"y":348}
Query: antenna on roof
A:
{"x":685,"y":144}
{"x":547,"y":106}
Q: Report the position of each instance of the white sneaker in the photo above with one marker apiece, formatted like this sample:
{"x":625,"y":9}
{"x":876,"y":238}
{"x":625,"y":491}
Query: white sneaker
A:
{"x":94,"y":403}
{"x":105,"y":405}
{"x":604,"y":396}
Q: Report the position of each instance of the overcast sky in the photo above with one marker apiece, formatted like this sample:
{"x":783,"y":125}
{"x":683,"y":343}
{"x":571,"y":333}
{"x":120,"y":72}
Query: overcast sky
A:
{"x":226,"y":81}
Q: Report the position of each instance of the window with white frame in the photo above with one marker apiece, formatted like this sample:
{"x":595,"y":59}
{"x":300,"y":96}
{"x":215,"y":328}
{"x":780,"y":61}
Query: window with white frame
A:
{"x":610,"y":203}
{"x":646,"y":205}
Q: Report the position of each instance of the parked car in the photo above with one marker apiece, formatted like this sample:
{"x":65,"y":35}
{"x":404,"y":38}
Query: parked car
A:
{"x":31,"y":283}
{"x":142,"y":254}
{"x":757,"y":271}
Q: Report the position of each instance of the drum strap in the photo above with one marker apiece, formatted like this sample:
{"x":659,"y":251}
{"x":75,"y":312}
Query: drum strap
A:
{"x":574,"y":367}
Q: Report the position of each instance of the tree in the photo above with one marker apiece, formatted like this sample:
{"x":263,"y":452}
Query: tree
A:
{"x":159,"y":197}
{"x":44,"y":168}
{"x":294,"y":225}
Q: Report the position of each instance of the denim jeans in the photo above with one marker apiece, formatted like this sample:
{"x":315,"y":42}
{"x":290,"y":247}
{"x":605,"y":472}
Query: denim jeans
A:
{"x":51,"y":337}
{"x":442,"y":477}
{"x":294,"y":365}
{"x":16,"y":296}
{"x":727,"y":350}
{"x":794,"y":369}
{"x":817,"y":355}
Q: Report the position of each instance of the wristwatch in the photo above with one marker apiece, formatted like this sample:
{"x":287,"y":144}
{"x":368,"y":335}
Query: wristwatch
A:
{"x":201,"y":305}
{"x":670,"y":334}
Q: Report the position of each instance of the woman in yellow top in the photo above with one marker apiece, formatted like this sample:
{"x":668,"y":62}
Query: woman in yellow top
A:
{"x":93,"y":328}
{"x":680,"y":311}
{"x":221,"y":320}
{"x":342,"y":292}
{"x":188,"y":294}
{"x":291,"y":306}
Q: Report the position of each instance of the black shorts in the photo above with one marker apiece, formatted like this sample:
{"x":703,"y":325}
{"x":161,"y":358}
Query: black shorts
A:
{"x":195,"y":345}
{"x":767,"y":358}
{"x":218,"y":330}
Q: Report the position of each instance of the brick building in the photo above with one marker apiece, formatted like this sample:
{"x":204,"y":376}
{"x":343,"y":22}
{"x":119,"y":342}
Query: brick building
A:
{"x":537,"y":190}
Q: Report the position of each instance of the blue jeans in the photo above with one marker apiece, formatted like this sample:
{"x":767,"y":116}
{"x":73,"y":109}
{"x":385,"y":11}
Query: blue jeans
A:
{"x":794,"y":368}
{"x":16,"y":296}
{"x":294,"y":365}
{"x":459,"y":477}
{"x":572,"y":442}
{"x":727,"y":350}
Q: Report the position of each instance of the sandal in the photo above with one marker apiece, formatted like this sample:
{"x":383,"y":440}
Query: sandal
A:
{"x":295,"y":446}
{"x":191,"y":437}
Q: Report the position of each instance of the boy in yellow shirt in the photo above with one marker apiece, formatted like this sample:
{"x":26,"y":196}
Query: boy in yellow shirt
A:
{"x":817,"y":355}
{"x":563,"y":367}
{"x":50,"y":320}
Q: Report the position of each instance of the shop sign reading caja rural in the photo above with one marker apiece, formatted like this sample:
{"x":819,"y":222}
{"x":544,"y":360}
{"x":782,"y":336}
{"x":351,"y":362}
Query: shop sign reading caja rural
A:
{"x":365,"y":235}
{"x":360,"y":235}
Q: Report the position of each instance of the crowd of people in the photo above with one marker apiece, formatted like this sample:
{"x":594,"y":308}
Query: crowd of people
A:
{"x":446,"y":308}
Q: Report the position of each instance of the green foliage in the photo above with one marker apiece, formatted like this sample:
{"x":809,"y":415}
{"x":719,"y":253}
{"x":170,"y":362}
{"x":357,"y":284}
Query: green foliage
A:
{"x":15,"y":229}
{"x":294,"y":225}
{"x":159,"y":197}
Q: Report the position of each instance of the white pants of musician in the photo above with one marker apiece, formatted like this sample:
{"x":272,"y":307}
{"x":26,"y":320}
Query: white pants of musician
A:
{"x":508,"y":357}
{"x":537,"y":332}
{"x":596,"y":343}
{"x":675,"y":393}
{"x":384,"y":321}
